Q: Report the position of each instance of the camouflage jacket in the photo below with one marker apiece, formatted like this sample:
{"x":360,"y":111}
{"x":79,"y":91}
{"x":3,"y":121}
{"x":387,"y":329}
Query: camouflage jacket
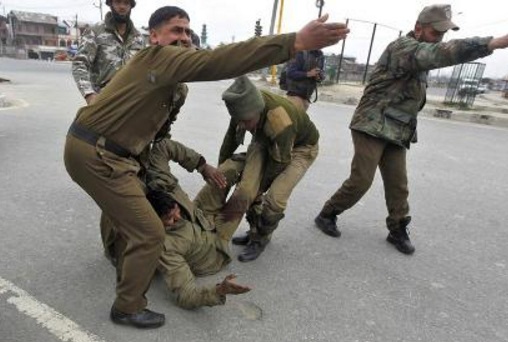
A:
{"x":191,"y":247}
{"x":101,"y":52}
{"x":282,"y":126}
{"x":396,"y":89}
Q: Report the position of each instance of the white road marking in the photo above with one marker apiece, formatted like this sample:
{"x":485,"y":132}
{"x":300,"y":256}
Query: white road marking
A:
{"x":47,"y":317}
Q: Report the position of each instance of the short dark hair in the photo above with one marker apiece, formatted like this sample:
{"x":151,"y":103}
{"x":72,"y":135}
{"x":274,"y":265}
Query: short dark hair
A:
{"x":164,"y":14}
{"x":161,"y":201}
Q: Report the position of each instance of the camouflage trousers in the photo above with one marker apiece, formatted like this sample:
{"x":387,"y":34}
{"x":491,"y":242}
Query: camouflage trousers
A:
{"x":371,"y":153}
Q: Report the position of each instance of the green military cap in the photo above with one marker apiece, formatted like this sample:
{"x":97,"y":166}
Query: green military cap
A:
{"x":439,"y":17}
{"x":243,"y":99}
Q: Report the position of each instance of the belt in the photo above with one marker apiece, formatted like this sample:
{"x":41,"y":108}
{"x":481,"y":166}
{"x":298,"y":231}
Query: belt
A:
{"x":91,"y":137}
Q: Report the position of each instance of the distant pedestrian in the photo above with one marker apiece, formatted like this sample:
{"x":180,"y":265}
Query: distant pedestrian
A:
{"x":303,"y":74}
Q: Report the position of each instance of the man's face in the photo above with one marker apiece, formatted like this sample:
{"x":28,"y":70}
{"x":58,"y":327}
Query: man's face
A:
{"x":428,"y":34}
{"x":249,"y":125}
{"x":122,"y":7}
{"x":176,"y":31}
{"x":172,"y":216}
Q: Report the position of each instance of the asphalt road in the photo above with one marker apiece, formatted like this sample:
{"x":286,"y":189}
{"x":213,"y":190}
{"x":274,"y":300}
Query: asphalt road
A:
{"x":55,"y":285}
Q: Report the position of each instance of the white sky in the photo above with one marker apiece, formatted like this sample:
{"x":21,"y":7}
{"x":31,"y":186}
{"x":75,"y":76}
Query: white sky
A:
{"x":226,"y":19}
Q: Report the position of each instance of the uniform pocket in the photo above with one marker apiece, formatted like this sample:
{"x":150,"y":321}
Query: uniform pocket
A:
{"x":116,"y":166}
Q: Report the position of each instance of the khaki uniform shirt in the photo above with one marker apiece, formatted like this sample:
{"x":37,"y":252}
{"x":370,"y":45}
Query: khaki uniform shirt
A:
{"x":191,"y":248}
{"x":282,"y":126}
{"x":134,"y":104}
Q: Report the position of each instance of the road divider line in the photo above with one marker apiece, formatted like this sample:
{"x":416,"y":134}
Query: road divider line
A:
{"x":47,"y":317}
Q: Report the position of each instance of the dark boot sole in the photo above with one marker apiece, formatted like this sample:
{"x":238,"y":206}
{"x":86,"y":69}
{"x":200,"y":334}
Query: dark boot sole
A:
{"x":137,"y":325}
{"x":396,"y":244}
{"x":333,"y":233}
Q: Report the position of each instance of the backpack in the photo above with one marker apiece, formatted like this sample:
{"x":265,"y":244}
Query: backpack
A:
{"x":283,"y":83}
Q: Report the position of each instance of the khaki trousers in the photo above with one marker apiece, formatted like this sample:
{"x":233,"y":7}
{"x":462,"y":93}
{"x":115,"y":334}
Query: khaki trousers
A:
{"x":113,"y":184}
{"x":371,"y":153}
{"x":226,"y":214}
{"x":268,"y":209}
{"x":276,"y":198}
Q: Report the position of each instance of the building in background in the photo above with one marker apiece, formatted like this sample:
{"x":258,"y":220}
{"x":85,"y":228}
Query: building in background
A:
{"x":4,"y":31}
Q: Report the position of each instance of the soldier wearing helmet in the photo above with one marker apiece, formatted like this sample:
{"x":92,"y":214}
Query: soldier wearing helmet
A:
{"x":105,"y":48}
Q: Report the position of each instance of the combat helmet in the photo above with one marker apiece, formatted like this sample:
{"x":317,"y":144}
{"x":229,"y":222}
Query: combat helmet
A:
{"x":109,"y":3}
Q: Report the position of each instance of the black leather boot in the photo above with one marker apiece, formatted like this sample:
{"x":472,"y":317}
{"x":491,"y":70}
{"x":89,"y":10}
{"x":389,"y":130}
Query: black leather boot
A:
{"x":400,"y":239}
{"x":144,"y":319}
{"x":241,"y":240}
{"x":328,"y":225}
{"x":253,"y":250}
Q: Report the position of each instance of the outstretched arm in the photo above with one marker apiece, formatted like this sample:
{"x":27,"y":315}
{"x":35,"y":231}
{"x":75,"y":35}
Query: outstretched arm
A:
{"x":498,"y":43}
{"x":180,"y":280}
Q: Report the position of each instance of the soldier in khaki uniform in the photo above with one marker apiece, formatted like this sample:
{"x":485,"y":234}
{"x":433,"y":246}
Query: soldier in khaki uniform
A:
{"x":105,"y":48}
{"x":289,"y":140}
{"x":197,"y":233}
{"x":102,"y":51}
{"x":384,"y":123}
{"x":107,"y":136}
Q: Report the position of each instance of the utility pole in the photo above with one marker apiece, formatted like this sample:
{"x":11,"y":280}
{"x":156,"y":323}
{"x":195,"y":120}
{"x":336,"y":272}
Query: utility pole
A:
{"x":76,"y":27}
{"x":279,"y":24}
{"x":99,"y":6}
{"x":274,"y":15}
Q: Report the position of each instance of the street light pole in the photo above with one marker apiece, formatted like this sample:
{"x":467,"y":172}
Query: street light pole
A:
{"x":279,"y":24}
{"x":274,"y":15}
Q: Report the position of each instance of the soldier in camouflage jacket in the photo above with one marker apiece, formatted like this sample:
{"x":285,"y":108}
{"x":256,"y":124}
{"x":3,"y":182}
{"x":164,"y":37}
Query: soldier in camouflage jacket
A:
{"x":384,"y":123}
{"x":104,"y":49}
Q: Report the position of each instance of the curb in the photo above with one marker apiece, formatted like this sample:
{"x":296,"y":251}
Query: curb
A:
{"x":483,"y":118}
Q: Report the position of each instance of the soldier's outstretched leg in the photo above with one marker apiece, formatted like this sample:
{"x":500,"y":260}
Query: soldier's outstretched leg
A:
{"x":111,"y":181}
{"x":368,"y":153}
{"x":275,"y":200}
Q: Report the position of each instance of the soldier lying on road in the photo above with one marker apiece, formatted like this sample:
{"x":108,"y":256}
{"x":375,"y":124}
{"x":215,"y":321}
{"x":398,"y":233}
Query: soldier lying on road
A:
{"x":197,"y":233}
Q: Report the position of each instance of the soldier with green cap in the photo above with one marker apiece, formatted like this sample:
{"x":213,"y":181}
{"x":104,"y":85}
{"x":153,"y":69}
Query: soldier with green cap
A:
{"x":105,"y":48}
{"x":107,"y":136}
{"x":384,"y":123}
{"x":289,"y":141}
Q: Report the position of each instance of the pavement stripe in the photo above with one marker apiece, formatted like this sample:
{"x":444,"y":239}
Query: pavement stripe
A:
{"x":47,"y":317}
